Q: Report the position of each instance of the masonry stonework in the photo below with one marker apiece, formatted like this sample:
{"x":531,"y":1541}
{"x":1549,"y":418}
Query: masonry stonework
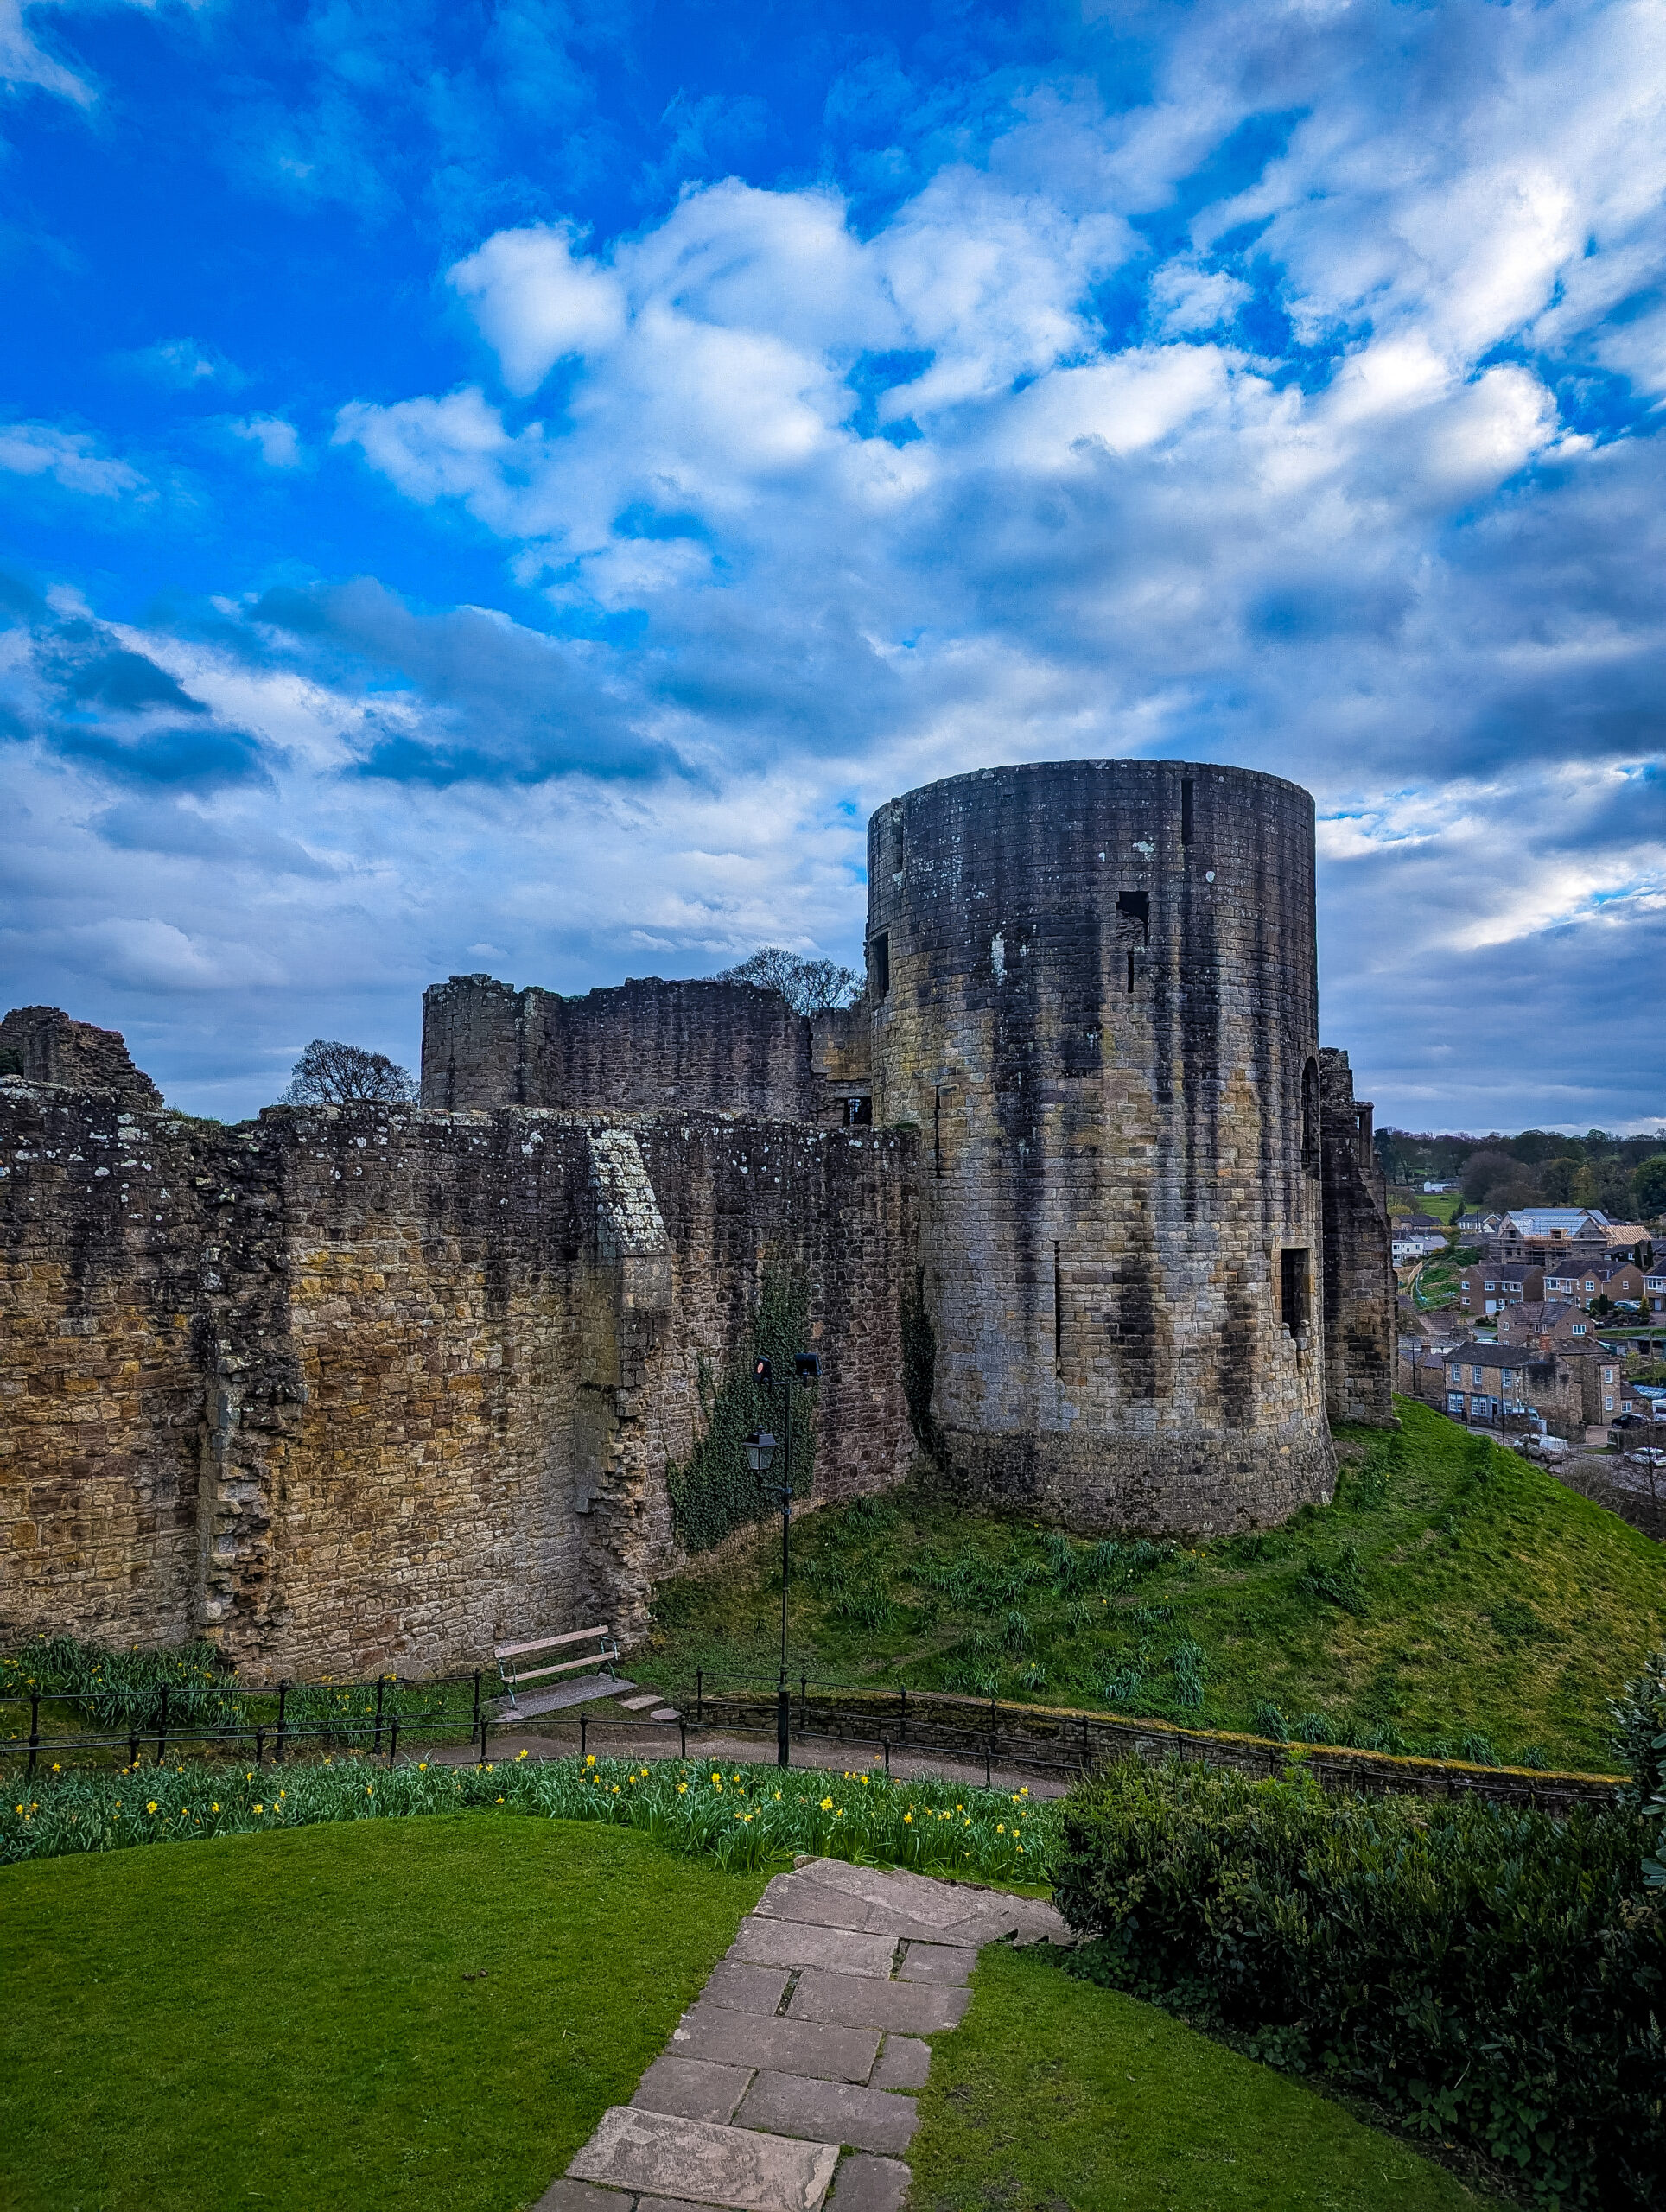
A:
{"x":377,"y":1385}
{"x":1094,"y":993}
{"x":382,"y":1385}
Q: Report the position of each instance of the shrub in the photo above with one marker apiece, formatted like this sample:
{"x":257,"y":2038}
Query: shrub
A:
{"x":1484,"y":1971}
{"x":1640,"y":1734}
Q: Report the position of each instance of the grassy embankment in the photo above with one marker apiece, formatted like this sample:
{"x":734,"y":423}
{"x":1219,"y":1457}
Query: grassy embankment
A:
{"x":1455,"y":1599}
{"x":1055,"y":2093}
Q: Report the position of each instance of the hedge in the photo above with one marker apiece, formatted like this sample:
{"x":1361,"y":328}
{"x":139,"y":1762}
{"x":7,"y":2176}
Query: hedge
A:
{"x":1484,"y":1972}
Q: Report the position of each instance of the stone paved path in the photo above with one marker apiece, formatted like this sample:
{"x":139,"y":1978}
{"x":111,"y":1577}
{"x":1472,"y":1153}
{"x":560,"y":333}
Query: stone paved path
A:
{"x":786,"y":2086}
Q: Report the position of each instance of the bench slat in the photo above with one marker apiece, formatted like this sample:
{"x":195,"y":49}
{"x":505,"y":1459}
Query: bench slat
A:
{"x":544,"y":1642}
{"x":562,"y":1667}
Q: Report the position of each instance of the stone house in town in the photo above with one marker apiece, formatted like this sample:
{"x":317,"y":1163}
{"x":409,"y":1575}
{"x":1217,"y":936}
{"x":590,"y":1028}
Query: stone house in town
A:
{"x":1619,"y":1281}
{"x":1545,"y":1321}
{"x":1489,"y":1285}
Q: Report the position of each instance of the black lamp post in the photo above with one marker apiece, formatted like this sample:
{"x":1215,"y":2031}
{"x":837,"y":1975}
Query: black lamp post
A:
{"x":760,"y":1459}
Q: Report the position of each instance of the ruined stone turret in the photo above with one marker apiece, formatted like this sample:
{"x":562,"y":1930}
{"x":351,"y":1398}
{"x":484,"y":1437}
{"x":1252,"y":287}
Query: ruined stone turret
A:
{"x":42,"y":1045}
{"x":1093,"y":991}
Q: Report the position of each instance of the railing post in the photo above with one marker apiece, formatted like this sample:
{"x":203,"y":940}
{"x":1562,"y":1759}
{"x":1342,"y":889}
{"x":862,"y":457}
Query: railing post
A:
{"x":393,"y":1739}
{"x":804,"y":1702}
{"x":260,"y":1745}
{"x":584,"y":1737}
{"x":33,"y":1728}
{"x":376,"y":1746}
{"x":161,"y":1727}
{"x":476,"y":1721}
{"x":682,"y":1736}
{"x":482,"y":1739}
{"x":132,"y":1747}
{"x":904,"y":1692}
{"x":283,"y":1730}
{"x":886,"y":1747}
{"x":1086,"y":1756}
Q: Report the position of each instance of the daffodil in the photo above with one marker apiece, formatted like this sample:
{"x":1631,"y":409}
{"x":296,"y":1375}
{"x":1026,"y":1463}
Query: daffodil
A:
{"x":827,"y":1804}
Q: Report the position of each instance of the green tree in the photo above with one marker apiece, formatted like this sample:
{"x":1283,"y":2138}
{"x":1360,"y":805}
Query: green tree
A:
{"x":1649,"y":1186}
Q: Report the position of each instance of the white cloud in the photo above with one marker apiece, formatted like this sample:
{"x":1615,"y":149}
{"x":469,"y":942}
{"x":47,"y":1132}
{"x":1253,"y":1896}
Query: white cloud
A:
{"x":22,"y":63}
{"x":68,"y":457}
{"x":279,"y":445}
{"x":535,"y":303}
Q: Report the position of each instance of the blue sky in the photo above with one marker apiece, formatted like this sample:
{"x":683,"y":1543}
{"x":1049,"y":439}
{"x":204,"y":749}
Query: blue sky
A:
{"x":511,"y":488}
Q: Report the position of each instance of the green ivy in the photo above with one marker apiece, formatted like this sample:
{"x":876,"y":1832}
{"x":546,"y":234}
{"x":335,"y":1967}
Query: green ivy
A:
{"x":712,"y":1491}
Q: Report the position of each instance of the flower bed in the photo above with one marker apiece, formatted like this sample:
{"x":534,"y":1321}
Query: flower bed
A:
{"x":743,"y":1817}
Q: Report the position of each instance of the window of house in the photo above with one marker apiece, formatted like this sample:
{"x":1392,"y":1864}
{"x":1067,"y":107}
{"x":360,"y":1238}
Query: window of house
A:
{"x":1454,"y":1402}
{"x":1506,"y":1378}
{"x":1293,"y":1289}
{"x":1474,"y":1374}
{"x":1578,"y":1328}
{"x":1457,"y":1374}
{"x":1608,"y":1405}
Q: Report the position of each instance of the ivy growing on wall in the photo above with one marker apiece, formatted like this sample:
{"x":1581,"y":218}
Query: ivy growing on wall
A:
{"x":712,"y":1491}
{"x":920,"y":1366}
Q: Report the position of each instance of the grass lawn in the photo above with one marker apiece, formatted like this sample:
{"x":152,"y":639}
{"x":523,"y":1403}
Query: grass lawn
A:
{"x":1455,"y":1599}
{"x":395,"y":2013}
{"x":1055,"y":2093}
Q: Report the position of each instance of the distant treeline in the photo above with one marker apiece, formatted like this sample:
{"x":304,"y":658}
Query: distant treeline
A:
{"x":1625,"y":1175}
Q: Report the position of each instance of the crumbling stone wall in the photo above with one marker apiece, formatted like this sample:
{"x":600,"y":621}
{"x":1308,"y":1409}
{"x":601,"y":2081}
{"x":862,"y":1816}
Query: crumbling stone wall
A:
{"x":1094,"y":993}
{"x":1359,"y":1286}
{"x":640,"y":1048}
{"x":42,"y":1045}
{"x":353,"y":1386}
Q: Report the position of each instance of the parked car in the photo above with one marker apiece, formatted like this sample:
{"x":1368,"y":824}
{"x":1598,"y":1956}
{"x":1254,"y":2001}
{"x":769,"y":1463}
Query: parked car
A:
{"x":1544,"y":1448}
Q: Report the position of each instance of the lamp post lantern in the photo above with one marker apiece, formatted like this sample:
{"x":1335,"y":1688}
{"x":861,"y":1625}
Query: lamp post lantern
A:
{"x":762,"y":1450}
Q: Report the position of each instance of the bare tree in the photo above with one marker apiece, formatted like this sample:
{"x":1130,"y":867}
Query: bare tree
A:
{"x":808,"y":986}
{"x":330,"y":1073}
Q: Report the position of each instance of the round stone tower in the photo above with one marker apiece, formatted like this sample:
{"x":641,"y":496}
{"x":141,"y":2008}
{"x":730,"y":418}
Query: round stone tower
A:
{"x":1093,"y":990}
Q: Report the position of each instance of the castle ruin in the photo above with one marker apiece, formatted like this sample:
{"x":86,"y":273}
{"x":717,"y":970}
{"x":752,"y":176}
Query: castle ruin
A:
{"x":1078,"y":1205}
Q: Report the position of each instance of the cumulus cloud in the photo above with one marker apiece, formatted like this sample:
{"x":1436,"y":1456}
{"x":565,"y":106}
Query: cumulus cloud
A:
{"x":279,"y":445}
{"x":68,"y":457}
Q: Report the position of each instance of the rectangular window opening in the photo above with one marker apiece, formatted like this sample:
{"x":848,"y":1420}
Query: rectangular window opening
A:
{"x":1185,"y":810}
{"x":880,"y":953}
{"x":936,"y":1131}
{"x":1058,"y":1310}
{"x":1293,"y":1290}
{"x":1130,"y":975}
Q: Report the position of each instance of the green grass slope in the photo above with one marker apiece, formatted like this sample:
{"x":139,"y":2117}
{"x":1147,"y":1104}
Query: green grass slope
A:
{"x":397,"y":2014}
{"x":1055,"y":2093}
{"x":1455,"y":1600}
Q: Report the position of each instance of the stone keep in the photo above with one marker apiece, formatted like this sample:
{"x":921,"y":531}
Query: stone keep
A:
{"x":1078,"y":1204}
{"x":1093,"y":991}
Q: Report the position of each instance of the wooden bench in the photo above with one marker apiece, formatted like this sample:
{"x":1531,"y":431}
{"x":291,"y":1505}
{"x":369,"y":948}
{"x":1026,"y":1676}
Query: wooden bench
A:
{"x":512,"y":1660}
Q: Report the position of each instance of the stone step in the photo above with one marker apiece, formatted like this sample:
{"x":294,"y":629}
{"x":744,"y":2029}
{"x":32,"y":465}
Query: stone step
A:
{"x":831,"y":2053}
{"x":865,"y":2119}
{"x":851,"y":2000}
{"x":700,"y":2162}
{"x":666,"y":1713}
{"x":788,"y":1943}
{"x":640,"y":1704}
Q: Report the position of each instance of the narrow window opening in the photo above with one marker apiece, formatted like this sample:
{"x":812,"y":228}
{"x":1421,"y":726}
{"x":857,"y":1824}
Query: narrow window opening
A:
{"x":1058,"y":1310}
{"x":1185,"y":811}
{"x":880,"y":951}
{"x":858,"y":1112}
{"x":1137,"y":906}
{"x":1293,"y":1289}
{"x":936,"y":1131}
{"x":1130,"y":975}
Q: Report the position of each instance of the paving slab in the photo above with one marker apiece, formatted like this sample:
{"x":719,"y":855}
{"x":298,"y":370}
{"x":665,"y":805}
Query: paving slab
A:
{"x":863,"y":2184}
{"x":639,"y":1704}
{"x":944,"y":1964}
{"x":935,"y":1903}
{"x":740,"y":2168}
{"x":820,"y":1904}
{"x":564,"y":2195}
{"x":833,"y":2051}
{"x":858,"y":2001}
{"x":864,"y":2119}
{"x":903,"y":2063}
{"x":787,"y":1944}
{"x":694,"y":2089}
{"x":743,"y":1988}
